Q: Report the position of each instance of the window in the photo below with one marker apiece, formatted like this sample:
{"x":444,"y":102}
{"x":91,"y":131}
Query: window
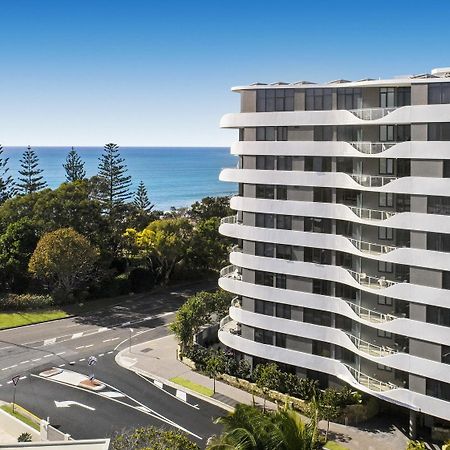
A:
{"x":318,"y":100}
{"x":385,"y":234}
{"x":344,"y":165}
{"x":382,"y":367}
{"x":281,"y":192}
{"x":264,"y":336}
{"x":284,"y":163}
{"x":322,"y":287}
{"x":283,"y":311}
{"x":268,"y":100}
{"x":446,"y":169}
{"x":317,"y":225}
{"x":386,"y":166}
{"x":395,"y":133}
{"x":439,"y":131}
{"x":317,"y":164}
{"x":395,"y":97}
{"x":282,"y":133}
{"x":265,"y":162}
{"x":349,"y":133}
{"x":317,"y":255}
{"x":384,"y":334}
{"x":348,"y":197}
{"x":386,"y":199}
{"x":438,"y":93}
{"x":438,"y":389}
{"x":317,"y":317}
{"x":403,"y":96}
{"x":280,"y":340}
{"x":323,"y":195}
{"x":445,"y":280}
{"x":265,"y":220}
{"x":264,"y":249}
{"x":262,"y":307}
{"x":445,"y":354}
{"x":438,"y":315}
{"x":284,"y":222}
{"x":384,"y":267}
{"x":438,"y":241}
{"x":321,"y":348}
{"x":349,"y":98}
{"x":402,"y":202}
{"x":384,"y":300}
{"x":344,"y":260}
{"x":323,"y":133}
{"x":264,"y":278}
{"x":387,"y":97}
{"x":344,"y":355}
{"x":343,"y":323}
{"x":280,"y":281}
{"x":265,"y":133}
{"x":265,"y":191}
{"x":344,"y":228}
{"x":241,"y":134}
{"x":284,"y":252}
{"x":439,"y":205}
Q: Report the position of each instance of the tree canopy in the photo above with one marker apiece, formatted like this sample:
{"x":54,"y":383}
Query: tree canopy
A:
{"x":74,"y":167}
{"x":30,"y":179}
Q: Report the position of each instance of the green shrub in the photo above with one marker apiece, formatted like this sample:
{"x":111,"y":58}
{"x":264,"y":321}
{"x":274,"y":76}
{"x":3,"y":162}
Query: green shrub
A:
{"x":141,"y":280}
{"x":25,"y":437}
{"x":24,"y":302}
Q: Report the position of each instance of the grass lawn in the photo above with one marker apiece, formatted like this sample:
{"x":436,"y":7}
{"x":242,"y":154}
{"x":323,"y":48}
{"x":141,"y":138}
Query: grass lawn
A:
{"x":9,"y":320}
{"x":193,"y":386}
{"x":331,"y":445}
{"x":24,"y":419}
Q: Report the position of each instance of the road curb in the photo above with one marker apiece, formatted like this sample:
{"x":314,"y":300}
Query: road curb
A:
{"x":169,"y":383}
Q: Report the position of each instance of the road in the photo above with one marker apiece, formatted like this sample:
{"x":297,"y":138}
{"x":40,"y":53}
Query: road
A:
{"x":68,"y":343}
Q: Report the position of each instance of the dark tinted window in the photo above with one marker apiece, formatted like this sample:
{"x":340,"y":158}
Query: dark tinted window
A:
{"x":318,"y":100}
{"x":274,"y":100}
{"x":438,"y":93}
{"x":439,"y":131}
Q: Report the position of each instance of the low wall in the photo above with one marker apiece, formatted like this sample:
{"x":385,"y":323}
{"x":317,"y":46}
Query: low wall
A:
{"x":16,"y":427}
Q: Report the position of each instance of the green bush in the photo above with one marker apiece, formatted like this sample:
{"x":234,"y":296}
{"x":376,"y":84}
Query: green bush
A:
{"x":24,"y":302}
{"x":141,"y":280}
{"x":25,"y":437}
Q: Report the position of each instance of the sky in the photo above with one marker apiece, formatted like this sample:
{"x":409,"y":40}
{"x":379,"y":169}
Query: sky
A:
{"x":159,"y":72}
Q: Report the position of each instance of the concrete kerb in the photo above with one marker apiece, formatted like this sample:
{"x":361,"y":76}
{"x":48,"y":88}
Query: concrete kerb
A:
{"x":213,"y":401}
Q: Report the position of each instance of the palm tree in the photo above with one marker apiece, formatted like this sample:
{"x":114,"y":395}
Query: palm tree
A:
{"x":249,"y":428}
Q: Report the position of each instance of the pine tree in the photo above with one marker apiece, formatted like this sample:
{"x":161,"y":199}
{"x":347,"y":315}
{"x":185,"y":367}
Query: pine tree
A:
{"x":7,"y":189}
{"x":112,"y":171}
{"x":32,"y":180}
{"x":74,"y":167}
{"x":141,"y":200}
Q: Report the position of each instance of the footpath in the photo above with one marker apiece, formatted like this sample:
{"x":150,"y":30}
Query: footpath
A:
{"x":157,"y":359}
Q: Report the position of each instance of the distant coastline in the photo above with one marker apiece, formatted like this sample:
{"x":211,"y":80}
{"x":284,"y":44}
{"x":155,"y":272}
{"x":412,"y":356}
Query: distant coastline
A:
{"x":174,"y":176}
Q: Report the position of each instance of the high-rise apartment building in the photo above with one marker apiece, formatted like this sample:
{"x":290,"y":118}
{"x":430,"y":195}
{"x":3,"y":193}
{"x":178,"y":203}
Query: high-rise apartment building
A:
{"x":342,"y":268}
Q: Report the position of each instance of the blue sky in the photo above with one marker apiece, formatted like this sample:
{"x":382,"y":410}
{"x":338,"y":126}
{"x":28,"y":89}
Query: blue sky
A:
{"x":158,"y":73}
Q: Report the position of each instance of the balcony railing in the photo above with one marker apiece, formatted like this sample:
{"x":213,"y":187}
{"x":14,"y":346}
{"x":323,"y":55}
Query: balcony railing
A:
{"x":229,"y":325}
{"x":368,"y":247}
{"x":372,"y":148}
{"x":235,"y":303}
{"x":229,"y":219}
{"x":231,"y":271}
{"x":370,"y":382}
{"x":236,"y":248}
{"x":371,"y":181}
{"x":369,"y":348}
{"x":371,"y":214}
{"x":369,"y":314}
{"x":371,"y":113}
{"x":372,"y":282}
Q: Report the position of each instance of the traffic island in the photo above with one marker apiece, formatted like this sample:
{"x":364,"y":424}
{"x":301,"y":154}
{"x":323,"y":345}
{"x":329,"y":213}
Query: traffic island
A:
{"x":72,"y":378}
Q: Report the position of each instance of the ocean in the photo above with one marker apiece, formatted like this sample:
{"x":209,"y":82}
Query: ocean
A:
{"x":174,"y":176}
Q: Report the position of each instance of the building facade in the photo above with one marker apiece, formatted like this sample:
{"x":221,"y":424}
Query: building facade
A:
{"x":342,"y":268}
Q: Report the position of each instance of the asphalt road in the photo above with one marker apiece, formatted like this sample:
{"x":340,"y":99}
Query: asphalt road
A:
{"x":68,"y":343}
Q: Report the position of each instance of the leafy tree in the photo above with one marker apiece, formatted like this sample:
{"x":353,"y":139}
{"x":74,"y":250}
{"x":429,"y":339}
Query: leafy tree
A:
{"x":267,"y":377}
{"x":209,"y":249}
{"x":74,"y":167}
{"x":328,"y":407}
{"x":141,"y":201}
{"x":152,"y":438}
{"x":64,"y":258}
{"x":17,"y":244}
{"x":112,"y":171}
{"x":250,"y":428}
{"x":162,"y":244}
{"x":215,"y":366}
{"x":7,"y":189}
{"x":31,"y":179}
{"x":210,"y":207}
{"x":199,"y":310}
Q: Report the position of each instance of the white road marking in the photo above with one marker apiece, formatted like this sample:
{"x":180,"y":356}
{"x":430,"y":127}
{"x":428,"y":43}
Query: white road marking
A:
{"x":60,"y":353}
{"x":82,"y":359}
{"x":72,"y":363}
{"x":36,"y":360}
{"x":112,"y":394}
{"x":48,"y":356}
{"x":100,"y":330}
{"x":181,"y":395}
{"x":101,"y":354}
{"x":77,"y":335}
{"x":49,"y":341}
{"x":90,"y":345}
{"x":78,"y":348}
{"x":112,"y":339}
{"x":9,"y":382}
{"x":25,"y":362}
{"x":158,"y":384}
{"x":109,"y":353}
{"x":61,"y":365}
{"x":68,"y":404}
{"x":22,"y":378}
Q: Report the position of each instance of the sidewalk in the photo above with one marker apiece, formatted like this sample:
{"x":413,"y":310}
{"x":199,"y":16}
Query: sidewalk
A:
{"x":157,"y":359}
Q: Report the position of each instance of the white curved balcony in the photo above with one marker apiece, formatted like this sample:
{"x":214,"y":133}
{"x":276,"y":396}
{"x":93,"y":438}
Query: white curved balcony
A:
{"x":235,"y":303}
{"x":371,"y":181}
{"x":371,"y":383}
{"x":369,"y":347}
{"x":371,"y":214}
{"x":236,"y":248}
{"x":373,"y":282}
{"x":369,"y":314}
{"x":369,"y":247}
{"x":231,"y":271}
{"x":371,"y":148}
{"x":229,"y":219}
{"x":371,"y":113}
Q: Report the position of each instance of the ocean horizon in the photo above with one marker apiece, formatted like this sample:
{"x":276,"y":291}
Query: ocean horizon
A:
{"x":174,"y":176}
